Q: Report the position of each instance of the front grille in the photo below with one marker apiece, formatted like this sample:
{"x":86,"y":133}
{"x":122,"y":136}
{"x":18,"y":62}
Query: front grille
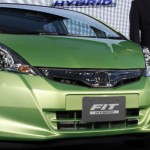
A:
{"x":92,"y":78}
{"x":71,"y":120}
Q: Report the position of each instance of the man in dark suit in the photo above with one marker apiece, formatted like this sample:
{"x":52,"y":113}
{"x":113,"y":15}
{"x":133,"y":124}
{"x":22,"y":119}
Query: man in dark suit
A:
{"x":140,"y":22}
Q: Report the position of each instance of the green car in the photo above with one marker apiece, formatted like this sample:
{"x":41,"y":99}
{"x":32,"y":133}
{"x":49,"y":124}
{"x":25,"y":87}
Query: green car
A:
{"x":67,"y":76}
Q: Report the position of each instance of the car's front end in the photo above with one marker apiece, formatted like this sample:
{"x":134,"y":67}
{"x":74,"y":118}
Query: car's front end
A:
{"x":61,"y":87}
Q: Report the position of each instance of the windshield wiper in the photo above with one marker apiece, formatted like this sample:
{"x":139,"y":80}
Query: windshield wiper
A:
{"x":49,"y":33}
{"x":53,"y":33}
{"x":65,"y":34}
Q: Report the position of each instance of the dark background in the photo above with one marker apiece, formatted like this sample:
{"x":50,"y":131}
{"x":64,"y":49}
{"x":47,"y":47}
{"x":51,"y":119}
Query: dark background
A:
{"x":117,"y":145}
{"x":113,"y":146}
{"x":134,"y":145}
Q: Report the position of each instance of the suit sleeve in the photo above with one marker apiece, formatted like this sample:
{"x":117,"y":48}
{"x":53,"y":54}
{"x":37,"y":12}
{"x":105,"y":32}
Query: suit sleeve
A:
{"x":134,"y":23}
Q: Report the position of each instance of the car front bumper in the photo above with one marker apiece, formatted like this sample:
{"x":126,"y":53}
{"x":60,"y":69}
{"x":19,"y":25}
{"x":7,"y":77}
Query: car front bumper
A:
{"x":29,"y":107}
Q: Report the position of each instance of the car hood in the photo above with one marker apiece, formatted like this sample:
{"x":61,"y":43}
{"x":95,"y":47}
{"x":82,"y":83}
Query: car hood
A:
{"x":75,"y":52}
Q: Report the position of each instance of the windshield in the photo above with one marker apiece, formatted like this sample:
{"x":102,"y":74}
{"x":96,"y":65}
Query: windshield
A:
{"x":18,"y":21}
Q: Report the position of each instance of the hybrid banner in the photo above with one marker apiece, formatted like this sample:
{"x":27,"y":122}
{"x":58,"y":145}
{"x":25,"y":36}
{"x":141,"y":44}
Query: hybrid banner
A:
{"x":65,"y":3}
{"x":83,"y":3}
{"x":115,"y":13}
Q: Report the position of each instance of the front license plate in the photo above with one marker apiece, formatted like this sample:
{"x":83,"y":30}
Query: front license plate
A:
{"x":103,"y":109}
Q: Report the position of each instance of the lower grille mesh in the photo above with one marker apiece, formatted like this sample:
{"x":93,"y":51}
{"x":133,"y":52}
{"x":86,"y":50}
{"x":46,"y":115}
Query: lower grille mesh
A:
{"x":71,"y":120}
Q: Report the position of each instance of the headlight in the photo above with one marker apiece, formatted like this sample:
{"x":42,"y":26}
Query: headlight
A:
{"x":146,"y":52}
{"x":11,"y":61}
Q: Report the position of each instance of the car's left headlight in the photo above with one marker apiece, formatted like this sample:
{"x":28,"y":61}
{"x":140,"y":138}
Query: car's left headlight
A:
{"x":146,"y":53}
{"x":11,"y":61}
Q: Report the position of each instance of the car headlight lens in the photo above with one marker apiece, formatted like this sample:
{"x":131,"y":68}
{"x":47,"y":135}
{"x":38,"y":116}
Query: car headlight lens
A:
{"x":146,"y":52}
{"x":11,"y":61}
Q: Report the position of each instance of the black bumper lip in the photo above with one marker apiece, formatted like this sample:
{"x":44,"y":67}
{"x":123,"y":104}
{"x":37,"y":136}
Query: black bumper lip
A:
{"x":73,"y":141}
